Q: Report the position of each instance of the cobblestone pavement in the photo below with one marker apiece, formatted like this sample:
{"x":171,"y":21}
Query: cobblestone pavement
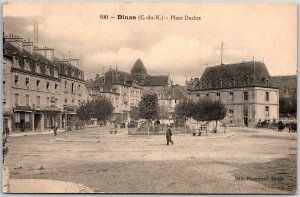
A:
{"x":238,"y":161}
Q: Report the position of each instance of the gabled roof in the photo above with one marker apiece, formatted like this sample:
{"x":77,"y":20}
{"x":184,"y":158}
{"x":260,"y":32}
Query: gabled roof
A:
{"x":159,"y":80}
{"x":174,"y":92}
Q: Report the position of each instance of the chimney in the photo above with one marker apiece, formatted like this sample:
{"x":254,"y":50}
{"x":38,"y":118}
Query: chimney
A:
{"x":74,"y":62}
{"x":28,"y":46}
{"x":15,"y":40}
{"x":46,"y":52}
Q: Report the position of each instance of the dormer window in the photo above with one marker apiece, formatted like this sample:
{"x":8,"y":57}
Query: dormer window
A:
{"x":16,"y":62}
{"x":37,"y":67}
{"x":55,"y":72}
{"x":79,"y":74}
{"x":47,"y":70}
{"x":208,"y":84}
{"x":66,"y":70}
{"x":26,"y":65}
{"x":246,"y":80}
{"x":219,"y":83}
{"x":231,"y":83}
{"x":267,"y":82}
{"x":73,"y":73}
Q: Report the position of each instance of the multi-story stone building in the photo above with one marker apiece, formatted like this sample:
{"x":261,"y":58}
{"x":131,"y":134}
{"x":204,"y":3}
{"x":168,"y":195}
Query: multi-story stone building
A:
{"x":126,"y":89}
{"x":170,"y":96}
{"x":121,"y":89}
{"x":287,"y":95}
{"x":245,"y":89}
{"x":73,"y":90}
{"x":31,"y":88}
{"x":39,"y":90}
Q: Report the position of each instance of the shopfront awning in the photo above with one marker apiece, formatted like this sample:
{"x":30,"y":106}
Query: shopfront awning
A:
{"x":22,"y":110}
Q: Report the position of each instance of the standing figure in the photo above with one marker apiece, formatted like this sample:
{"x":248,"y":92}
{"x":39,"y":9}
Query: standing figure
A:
{"x":169,"y":135}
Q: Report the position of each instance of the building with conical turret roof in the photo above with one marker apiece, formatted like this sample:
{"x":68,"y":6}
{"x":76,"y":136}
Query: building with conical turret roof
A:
{"x":125,"y":89}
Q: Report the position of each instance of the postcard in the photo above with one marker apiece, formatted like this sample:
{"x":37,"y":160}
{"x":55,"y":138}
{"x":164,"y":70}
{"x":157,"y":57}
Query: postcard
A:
{"x":149,"y":98}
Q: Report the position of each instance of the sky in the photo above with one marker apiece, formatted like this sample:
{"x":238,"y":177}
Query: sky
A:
{"x":184,"y":48}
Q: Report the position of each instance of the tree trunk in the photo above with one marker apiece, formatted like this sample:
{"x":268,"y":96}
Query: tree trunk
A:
{"x":148,"y":128}
{"x":185,"y":125}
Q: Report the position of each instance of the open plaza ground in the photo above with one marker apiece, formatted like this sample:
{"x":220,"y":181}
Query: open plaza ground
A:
{"x":242,"y":160}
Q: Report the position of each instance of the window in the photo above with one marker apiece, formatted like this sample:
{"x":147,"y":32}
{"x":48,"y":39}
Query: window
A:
{"x":218,"y":96}
{"x":37,"y":84}
{"x":27,"y":100}
{"x":27,"y":82}
{"x":267,"y":111}
{"x":284,"y":91}
{"x":66,"y":100}
{"x":79,"y":90}
{"x":27,"y":117}
{"x":73,"y":73}
{"x":37,"y":67}
{"x":56,"y":102}
{"x":219,"y":83}
{"x":231,"y":113}
{"x":16,"y":80}
{"x":208,"y":85}
{"x":267,"y":82}
{"x":48,"y":102}
{"x":4,"y":91}
{"x":47,"y":70}
{"x":38,"y":101}
{"x":79,"y":74}
{"x":55,"y":72}
{"x":245,"y":96}
{"x":72,"y":87}
{"x":55,"y":86}
{"x":26,"y":65}
{"x":246,"y":81}
{"x":207,"y":95}
{"x":231,"y":97}
{"x":17,"y":117}
{"x":267,"y":96}
{"x":66,"y":70}
{"x":16,"y":62}
{"x":17,"y":99}
{"x":66,"y":85}
{"x":47,"y":86}
{"x":231,"y":83}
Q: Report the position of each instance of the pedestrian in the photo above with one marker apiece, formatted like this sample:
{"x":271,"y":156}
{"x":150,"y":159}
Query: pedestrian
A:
{"x":169,"y":135}
{"x":6,"y":132}
{"x":55,"y":129}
